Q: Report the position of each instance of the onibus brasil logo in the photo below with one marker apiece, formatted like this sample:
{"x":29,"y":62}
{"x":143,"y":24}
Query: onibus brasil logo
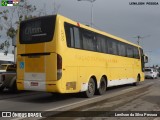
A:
{"x":10,"y":2}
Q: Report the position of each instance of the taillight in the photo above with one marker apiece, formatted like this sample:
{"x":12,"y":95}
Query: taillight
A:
{"x":59,"y":66}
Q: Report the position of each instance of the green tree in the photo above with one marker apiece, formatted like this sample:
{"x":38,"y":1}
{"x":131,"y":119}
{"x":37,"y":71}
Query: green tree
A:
{"x":10,"y":19}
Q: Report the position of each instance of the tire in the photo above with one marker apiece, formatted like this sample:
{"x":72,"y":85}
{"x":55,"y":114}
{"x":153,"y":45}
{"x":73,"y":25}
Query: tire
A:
{"x":156,"y":77}
{"x":153,"y":77}
{"x":91,"y":89}
{"x":13,"y":88}
{"x":137,"y":82}
{"x":102,"y":87}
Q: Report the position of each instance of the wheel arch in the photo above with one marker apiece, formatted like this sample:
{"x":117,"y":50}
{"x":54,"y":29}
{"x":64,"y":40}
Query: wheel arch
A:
{"x":139,"y":75}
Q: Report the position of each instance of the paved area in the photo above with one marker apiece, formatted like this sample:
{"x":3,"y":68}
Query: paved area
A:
{"x":144,"y":99}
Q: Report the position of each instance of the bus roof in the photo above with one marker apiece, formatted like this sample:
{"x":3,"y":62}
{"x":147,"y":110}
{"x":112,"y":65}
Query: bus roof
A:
{"x":95,"y":30}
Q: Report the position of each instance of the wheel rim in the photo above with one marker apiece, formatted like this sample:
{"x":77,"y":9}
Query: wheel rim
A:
{"x":103,"y":85}
{"x":91,"y":87}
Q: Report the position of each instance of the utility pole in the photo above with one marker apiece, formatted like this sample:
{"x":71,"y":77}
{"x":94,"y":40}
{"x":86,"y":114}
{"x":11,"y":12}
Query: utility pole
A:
{"x":139,"y":38}
{"x":91,"y":9}
{"x":149,"y":57}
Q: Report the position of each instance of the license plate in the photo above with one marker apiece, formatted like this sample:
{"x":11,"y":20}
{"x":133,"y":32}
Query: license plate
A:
{"x":34,"y":83}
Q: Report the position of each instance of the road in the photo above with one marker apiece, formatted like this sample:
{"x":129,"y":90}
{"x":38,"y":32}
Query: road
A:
{"x":145,"y":97}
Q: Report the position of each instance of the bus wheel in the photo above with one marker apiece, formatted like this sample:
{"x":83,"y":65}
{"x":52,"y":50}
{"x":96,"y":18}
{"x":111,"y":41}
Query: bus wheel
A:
{"x":91,"y":89}
{"x":102,"y":87}
{"x":13,"y":88}
{"x":137,"y":82}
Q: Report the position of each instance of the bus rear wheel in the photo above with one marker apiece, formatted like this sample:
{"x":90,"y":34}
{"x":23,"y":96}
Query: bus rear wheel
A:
{"x":91,"y":89}
{"x":13,"y":88}
{"x":103,"y":86}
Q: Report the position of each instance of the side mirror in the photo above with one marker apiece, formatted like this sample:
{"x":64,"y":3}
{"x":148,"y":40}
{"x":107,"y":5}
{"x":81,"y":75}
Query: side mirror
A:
{"x":145,"y":59}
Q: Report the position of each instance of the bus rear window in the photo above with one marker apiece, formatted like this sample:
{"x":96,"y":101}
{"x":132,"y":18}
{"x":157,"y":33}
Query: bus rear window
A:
{"x":37,"y":30}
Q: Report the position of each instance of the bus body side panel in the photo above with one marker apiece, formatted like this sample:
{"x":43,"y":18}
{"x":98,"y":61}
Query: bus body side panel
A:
{"x":77,"y":69}
{"x":69,"y":77}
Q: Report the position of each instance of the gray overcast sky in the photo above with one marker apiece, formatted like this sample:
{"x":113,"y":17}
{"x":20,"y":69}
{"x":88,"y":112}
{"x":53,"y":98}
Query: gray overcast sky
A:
{"x":116,"y":17}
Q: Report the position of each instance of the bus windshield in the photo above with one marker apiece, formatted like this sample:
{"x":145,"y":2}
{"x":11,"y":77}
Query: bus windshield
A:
{"x":37,"y":30}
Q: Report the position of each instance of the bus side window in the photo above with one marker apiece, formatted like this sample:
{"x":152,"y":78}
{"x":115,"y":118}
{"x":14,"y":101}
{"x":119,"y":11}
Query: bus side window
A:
{"x":121,"y":49}
{"x":101,"y":43}
{"x":89,"y":40}
{"x":130,"y":51}
{"x":69,"y":35}
{"x":136,"y":53}
{"x":112,"y":47}
{"x":72,"y":36}
{"x":77,"y":38}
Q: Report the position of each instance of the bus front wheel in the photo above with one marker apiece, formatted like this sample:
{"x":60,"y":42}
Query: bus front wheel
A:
{"x":91,"y":89}
{"x":137,"y":82}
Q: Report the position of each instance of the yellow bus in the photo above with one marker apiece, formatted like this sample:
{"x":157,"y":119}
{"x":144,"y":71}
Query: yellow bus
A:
{"x":56,"y":54}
